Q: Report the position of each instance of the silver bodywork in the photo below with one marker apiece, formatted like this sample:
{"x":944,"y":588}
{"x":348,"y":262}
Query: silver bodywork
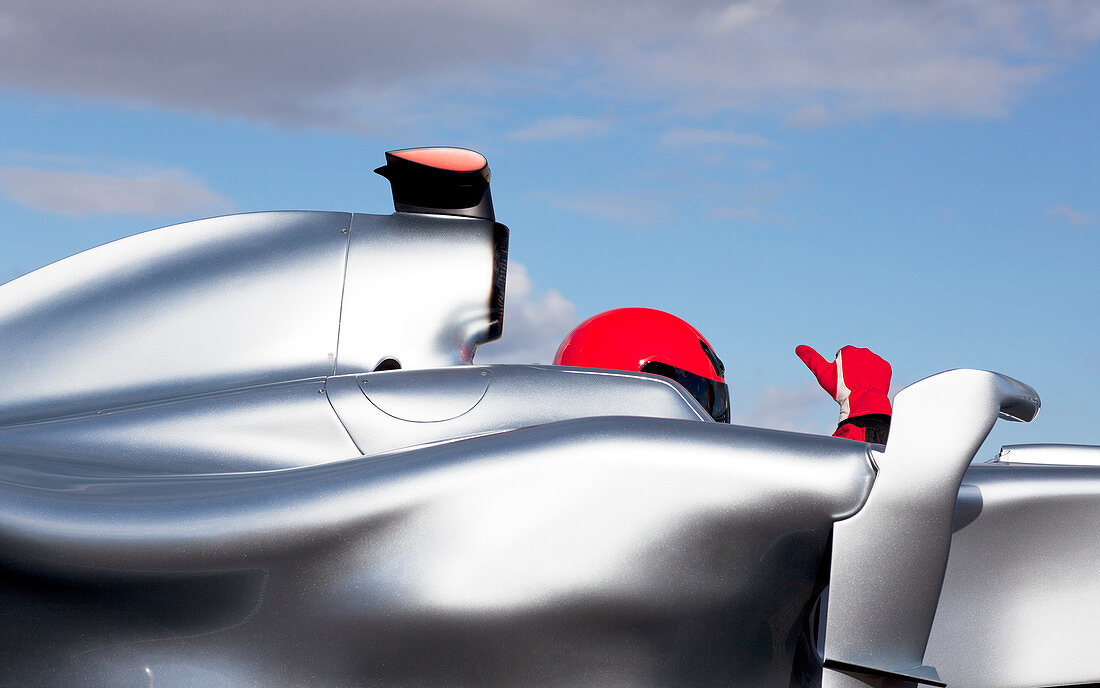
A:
{"x":1019,"y":602}
{"x":208,"y":476}
{"x":243,"y":300}
{"x":1050,"y":455}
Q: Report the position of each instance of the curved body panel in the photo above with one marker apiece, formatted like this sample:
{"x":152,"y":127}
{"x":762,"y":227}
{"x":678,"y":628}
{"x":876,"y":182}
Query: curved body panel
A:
{"x":888,"y":560}
{"x":252,"y":450}
{"x":422,"y":290}
{"x":270,"y":426}
{"x":308,"y":422}
{"x":600,"y":551}
{"x":245,"y":300}
{"x":1050,"y":454}
{"x":1022,"y":589}
{"x":202,"y":306}
{"x":387,"y":411}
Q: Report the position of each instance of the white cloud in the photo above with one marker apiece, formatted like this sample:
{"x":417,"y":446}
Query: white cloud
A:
{"x":535,"y":322}
{"x":167,"y":192}
{"x":1078,"y":20}
{"x":635,"y":211}
{"x":358,"y":66}
{"x":805,"y":408}
{"x":33,"y":157}
{"x":686,"y":138}
{"x":566,"y":128}
{"x":859,"y":57}
{"x":739,"y":14}
{"x":1075,"y":217}
{"x":808,"y":116}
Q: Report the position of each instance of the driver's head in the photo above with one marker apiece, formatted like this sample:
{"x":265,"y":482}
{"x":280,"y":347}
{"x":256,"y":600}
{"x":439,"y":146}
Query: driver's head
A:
{"x":650,"y":341}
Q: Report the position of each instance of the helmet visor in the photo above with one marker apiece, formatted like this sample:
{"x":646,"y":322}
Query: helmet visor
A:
{"x":712,"y":395}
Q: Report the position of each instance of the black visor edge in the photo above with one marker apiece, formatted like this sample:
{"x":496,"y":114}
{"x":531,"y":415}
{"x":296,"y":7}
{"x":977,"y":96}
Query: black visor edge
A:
{"x":712,"y":395}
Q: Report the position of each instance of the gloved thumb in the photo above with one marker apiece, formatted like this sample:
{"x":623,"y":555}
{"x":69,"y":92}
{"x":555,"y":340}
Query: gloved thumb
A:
{"x":824,"y":371}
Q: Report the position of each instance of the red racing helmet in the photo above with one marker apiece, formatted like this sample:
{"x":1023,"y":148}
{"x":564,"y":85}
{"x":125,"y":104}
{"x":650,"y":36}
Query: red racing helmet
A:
{"x":650,"y":341}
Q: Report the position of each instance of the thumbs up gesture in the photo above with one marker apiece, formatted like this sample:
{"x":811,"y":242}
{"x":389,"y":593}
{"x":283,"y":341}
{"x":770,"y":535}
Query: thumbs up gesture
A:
{"x":859,"y":380}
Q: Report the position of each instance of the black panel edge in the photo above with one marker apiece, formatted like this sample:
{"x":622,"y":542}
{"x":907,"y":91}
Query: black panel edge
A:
{"x":875,"y":671}
{"x":500,"y":279}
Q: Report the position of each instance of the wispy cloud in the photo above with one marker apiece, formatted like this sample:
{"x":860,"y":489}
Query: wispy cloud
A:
{"x":356,"y":65}
{"x":636,"y":211}
{"x":36,"y":158}
{"x":567,"y":128}
{"x":535,"y":322}
{"x":1074,"y":217}
{"x":808,"y":116}
{"x":686,"y":138}
{"x":802,"y":408}
{"x":74,"y":194}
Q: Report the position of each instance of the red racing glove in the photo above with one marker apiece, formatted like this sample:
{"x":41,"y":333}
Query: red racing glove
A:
{"x":859,"y":380}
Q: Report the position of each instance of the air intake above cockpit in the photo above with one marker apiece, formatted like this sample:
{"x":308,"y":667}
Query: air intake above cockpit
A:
{"x":442,"y":181}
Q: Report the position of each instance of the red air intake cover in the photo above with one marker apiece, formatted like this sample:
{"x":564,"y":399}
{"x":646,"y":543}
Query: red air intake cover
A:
{"x":444,"y":181}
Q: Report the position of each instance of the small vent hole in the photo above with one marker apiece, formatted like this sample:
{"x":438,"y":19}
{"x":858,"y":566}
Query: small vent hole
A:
{"x":388,"y":364}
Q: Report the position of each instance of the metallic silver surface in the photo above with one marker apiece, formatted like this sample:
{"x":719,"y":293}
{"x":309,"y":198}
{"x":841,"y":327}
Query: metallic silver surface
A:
{"x":426,"y":396}
{"x":243,"y":300}
{"x":1050,"y":454}
{"x":294,"y":424}
{"x":203,"y":306}
{"x":888,"y":560}
{"x":1021,"y":597}
{"x":391,"y":410}
{"x":270,"y":426}
{"x":206,"y":479}
{"x":599,"y":551}
{"x":418,"y":291}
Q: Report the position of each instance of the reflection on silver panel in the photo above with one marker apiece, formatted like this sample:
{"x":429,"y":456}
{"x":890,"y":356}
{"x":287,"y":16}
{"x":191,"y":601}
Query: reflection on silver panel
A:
{"x":1050,"y":454}
{"x":1021,"y":597}
{"x":211,"y":473}
{"x":902,"y":536}
{"x":426,"y":396}
{"x":207,"y":305}
{"x":419,"y":291}
{"x":271,"y":426}
{"x":391,"y":410}
{"x":599,"y":551}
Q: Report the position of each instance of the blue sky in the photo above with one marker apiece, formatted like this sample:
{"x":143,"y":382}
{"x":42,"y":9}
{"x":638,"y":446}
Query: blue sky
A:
{"x":919,"y":178}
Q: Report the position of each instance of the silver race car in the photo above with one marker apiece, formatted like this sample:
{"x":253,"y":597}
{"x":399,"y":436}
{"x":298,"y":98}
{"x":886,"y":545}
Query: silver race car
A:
{"x":254,"y":450}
